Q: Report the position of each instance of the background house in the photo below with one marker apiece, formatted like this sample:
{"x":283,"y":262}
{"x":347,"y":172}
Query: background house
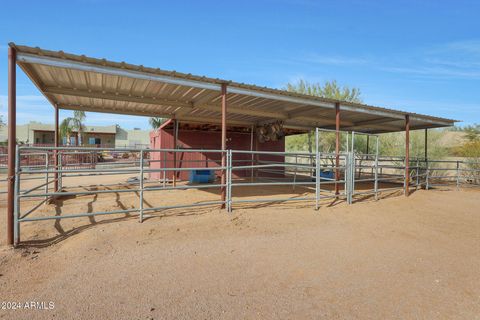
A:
{"x":36,"y":133}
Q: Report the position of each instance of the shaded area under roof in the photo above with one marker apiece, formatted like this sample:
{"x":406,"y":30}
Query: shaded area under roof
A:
{"x":77,"y":82}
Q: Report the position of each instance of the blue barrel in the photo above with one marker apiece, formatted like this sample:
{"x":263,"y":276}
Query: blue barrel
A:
{"x":202,"y":176}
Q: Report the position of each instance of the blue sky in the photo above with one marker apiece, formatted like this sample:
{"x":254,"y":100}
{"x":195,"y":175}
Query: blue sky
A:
{"x":419,"y":56}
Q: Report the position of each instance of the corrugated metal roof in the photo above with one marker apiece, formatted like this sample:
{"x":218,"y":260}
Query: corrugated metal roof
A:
{"x":78,"y":82}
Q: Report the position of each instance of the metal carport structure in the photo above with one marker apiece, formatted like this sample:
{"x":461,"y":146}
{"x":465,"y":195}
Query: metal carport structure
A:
{"x":77,"y":82}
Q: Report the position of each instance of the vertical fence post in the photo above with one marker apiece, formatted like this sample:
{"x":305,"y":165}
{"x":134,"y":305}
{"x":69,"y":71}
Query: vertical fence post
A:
{"x":427,"y":174}
{"x":337,"y":147}
{"x":46,"y":176}
{"x":164,"y":168}
{"x":345,"y":165}
{"x":416,"y":171}
{"x":407,"y":155}
{"x":353,"y":169}
{"x":458,"y":175}
{"x":55,"y":152}
{"x":310,"y":151}
{"x":12,"y":141}
{"x":175,"y":147}
{"x":376,"y":178}
{"x":16,"y":203}
{"x":224,"y":143}
{"x":141,"y":186}
{"x":405,"y":176}
{"x":229,"y":180}
{"x":317,"y":171}
{"x":252,"y":156}
{"x":348,"y":175}
{"x":377,"y":142}
{"x":295,"y":172}
{"x":60,"y":174}
{"x":352,"y":181}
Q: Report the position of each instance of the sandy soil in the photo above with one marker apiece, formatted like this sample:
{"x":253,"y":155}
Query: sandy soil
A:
{"x":396,"y":258}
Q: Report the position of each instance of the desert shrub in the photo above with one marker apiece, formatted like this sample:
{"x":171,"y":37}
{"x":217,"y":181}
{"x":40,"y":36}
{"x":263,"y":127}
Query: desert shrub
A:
{"x":471,"y":151}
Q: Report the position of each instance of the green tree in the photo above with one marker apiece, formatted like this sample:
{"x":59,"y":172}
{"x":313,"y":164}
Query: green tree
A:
{"x":393,"y":144}
{"x":68,"y":126}
{"x":66,"y":129}
{"x":156,"y":122}
{"x":329,"y":90}
{"x":78,"y":124}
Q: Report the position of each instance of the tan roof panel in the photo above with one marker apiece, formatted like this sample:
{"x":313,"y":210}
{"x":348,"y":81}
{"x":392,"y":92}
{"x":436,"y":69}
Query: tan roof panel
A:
{"x":78,"y":82}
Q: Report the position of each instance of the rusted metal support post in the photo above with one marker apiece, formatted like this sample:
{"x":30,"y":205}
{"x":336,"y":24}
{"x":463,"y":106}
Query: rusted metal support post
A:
{"x":55,"y":152}
{"x":175,"y":146}
{"x":337,"y":147}
{"x":256,"y":158}
{"x":224,"y":142}
{"x":12,"y":140}
{"x":407,"y":155}
{"x":252,"y":141}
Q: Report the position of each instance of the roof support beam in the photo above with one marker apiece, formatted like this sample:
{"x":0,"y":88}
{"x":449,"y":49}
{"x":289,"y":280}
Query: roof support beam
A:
{"x":89,"y":67}
{"x":118,"y":97}
{"x":381,"y":120}
{"x":133,"y":112}
{"x":154,"y":114}
{"x":322,"y":121}
{"x":304,"y":112}
{"x":244,"y":111}
{"x":184,"y":105}
{"x":280,"y":97}
{"x":377,"y":112}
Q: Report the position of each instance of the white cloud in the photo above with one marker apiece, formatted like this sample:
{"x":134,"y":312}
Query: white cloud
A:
{"x":334,"y":59}
{"x":466,"y":46}
{"x":457,"y":60}
{"x":435,"y":71}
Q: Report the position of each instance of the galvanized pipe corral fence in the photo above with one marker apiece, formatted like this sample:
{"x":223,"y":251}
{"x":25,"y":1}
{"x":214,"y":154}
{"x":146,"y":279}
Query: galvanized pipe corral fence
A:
{"x":357,"y":176}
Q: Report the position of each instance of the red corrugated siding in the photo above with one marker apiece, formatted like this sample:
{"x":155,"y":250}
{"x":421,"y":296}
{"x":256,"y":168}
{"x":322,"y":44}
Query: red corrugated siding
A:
{"x":163,"y":139}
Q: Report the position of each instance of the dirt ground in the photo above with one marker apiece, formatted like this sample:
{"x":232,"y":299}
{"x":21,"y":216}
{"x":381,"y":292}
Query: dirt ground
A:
{"x":396,"y":258}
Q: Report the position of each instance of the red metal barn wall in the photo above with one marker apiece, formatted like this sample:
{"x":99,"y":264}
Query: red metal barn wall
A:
{"x":193,"y":139}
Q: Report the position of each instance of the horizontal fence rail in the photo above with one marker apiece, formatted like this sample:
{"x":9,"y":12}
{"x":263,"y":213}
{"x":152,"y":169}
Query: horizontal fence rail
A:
{"x":42,"y":174}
